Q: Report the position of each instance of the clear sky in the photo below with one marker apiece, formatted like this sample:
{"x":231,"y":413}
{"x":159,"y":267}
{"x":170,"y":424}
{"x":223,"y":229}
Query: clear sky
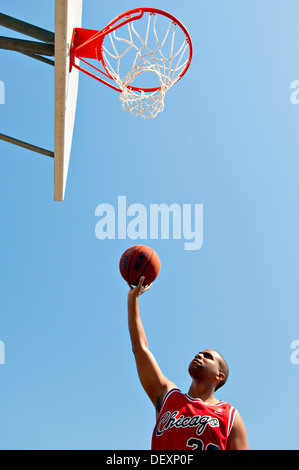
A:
{"x":227,"y":139}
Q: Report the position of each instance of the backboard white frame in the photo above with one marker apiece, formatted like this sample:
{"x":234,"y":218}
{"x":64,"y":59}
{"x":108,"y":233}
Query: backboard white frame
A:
{"x":68,"y":15}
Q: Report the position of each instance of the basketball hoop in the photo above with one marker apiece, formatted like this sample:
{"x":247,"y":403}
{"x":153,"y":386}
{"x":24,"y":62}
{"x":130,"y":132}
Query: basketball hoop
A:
{"x":138,"y":44}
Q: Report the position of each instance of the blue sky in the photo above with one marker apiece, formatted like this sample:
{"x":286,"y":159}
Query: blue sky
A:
{"x":227,"y":139}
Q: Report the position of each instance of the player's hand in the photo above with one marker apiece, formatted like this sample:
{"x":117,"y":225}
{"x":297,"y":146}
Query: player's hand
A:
{"x":139,"y":289}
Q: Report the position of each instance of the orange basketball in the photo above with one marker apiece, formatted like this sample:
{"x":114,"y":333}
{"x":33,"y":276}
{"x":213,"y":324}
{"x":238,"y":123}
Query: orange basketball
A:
{"x":137,"y":261}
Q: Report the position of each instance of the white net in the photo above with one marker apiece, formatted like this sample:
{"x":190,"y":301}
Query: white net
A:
{"x":151,"y":58}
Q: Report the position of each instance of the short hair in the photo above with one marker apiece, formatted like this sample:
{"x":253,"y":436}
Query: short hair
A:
{"x":224,"y":369}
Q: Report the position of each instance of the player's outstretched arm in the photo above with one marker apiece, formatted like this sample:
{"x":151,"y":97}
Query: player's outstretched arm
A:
{"x":155,"y":384}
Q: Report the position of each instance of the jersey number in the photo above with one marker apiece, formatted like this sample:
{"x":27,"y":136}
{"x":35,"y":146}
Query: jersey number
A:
{"x":197,"y":444}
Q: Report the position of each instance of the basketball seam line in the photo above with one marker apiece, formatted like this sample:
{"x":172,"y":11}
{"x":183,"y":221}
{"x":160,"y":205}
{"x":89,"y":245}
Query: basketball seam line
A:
{"x":145,"y":265}
{"x":128,"y":271}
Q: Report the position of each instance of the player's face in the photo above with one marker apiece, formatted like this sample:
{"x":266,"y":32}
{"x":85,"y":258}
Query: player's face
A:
{"x":204,"y":363}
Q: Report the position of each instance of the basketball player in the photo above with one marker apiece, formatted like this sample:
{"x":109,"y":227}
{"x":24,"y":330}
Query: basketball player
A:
{"x":195,"y":420}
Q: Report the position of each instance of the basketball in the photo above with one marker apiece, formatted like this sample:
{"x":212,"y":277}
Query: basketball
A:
{"x":137,"y":261}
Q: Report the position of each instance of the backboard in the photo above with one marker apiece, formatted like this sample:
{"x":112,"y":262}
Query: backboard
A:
{"x":68,"y":15}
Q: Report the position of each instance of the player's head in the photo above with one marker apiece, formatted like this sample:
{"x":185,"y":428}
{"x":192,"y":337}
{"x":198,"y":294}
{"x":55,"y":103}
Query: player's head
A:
{"x":209,"y":365}
{"x":223,"y":367}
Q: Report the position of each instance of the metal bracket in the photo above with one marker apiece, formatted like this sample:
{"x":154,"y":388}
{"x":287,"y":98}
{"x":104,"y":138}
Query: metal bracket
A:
{"x":26,"y":145}
{"x":33,"y":49}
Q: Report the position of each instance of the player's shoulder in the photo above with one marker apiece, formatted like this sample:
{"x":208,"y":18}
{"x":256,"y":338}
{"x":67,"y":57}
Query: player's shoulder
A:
{"x":163,"y":397}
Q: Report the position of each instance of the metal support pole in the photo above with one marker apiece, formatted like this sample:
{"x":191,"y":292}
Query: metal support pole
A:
{"x":26,"y":145}
{"x":26,"y":28}
{"x":40,"y":58}
{"x":30,"y":47}
{"x":33,"y":49}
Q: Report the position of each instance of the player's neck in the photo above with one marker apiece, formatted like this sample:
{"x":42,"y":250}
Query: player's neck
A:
{"x":203,"y":392}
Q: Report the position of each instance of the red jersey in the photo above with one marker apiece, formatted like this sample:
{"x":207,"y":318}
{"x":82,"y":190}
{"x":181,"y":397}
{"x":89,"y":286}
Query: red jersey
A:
{"x":186,"y":423}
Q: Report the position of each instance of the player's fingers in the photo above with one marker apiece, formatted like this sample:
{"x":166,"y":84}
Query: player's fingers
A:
{"x":139,"y":286}
{"x":146,"y":288}
{"x":137,"y":290}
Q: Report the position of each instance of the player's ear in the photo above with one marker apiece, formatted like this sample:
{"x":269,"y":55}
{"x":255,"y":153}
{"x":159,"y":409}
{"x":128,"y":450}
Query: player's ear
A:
{"x":220,"y":377}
